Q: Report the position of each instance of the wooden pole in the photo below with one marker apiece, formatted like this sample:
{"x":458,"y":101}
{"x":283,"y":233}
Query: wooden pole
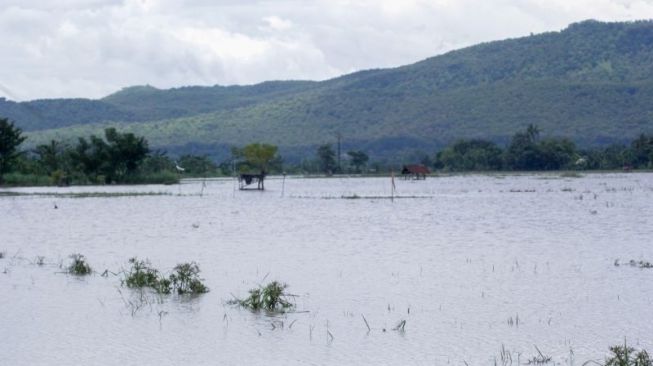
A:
{"x":283,"y":185}
{"x":392,"y":187}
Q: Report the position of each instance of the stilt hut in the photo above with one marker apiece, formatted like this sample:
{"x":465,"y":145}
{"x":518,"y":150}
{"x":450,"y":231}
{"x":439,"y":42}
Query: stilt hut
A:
{"x":415,"y":171}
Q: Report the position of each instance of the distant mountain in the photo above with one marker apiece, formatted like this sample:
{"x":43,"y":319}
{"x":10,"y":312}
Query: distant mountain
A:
{"x":592,"y":82}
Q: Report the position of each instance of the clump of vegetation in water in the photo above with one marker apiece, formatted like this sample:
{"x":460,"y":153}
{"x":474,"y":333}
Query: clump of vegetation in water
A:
{"x":2,"y":255}
{"x":186,"y":280}
{"x":628,"y":356}
{"x":272,"y":297}
{"x":141,"y":274}
{"x":634,"y":263}
{"x":79,"y":266}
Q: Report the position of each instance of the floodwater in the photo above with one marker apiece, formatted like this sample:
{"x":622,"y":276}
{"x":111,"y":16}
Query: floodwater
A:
{"x":473,"y":264}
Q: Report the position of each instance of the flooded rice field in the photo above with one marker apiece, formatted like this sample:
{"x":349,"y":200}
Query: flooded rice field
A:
{"x":478,"y":267}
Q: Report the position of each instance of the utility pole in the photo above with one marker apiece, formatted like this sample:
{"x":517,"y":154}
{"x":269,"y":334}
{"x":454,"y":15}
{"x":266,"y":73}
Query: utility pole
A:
{"x":339,"y":138}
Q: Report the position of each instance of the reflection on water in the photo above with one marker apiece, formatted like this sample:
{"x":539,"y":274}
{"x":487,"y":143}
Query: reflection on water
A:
{"x":474,"y":263}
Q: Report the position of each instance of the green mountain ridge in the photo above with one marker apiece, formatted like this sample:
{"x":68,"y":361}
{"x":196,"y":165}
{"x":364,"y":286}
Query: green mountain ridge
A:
{"x":592,"y":83}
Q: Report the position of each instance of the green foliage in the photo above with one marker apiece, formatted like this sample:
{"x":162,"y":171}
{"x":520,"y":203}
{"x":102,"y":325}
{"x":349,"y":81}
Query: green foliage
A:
{"x":185,"y":279}
{"x":642,"y":152}
{"x":79,"y":266}
{"x":157,"y":161}
{"x":327,"y":159}
{"x":358,"y":159}
{"x":121,"y":158}
{"x":272,"y":297}
{"x":474,"y":155}
{"x":10,"y":138}
{"x":114,"y":160}
{"x":627,"y":356}
{"x":258,"y":157}
{"x":20,"y":179}
{"x":126,"y":151}
{"x":141,"y":274}
{"x":527,"y":153}
{"x":51,"y":156}
{"x":195,"y":165}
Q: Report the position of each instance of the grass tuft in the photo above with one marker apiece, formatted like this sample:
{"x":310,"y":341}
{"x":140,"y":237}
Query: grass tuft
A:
{"x":79,"y":266}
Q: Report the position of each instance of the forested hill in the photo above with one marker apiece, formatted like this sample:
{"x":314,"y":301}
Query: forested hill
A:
{"x":592,"y":82}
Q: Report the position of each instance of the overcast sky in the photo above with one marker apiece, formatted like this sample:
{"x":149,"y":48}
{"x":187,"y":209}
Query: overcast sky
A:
{"x":91,"y":48}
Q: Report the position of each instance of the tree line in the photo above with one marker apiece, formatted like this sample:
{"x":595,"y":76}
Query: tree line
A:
{"x":120,"y":158}
{"x":123,"y":158}
{"x":528,"y":152}
{"x":115,"y":157}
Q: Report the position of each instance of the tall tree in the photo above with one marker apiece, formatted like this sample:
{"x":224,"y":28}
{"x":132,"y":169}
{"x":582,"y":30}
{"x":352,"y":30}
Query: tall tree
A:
{"x":642,"y":149}
{"x":327,"y":158}
{"x":473,"y":154}
{"x":523,"y":152}
{"x":260,"y":157}
{"x":358,"y":159}
{"x":50,"y":156}
{"x":126,"y":152}
{"x":10,"y":138}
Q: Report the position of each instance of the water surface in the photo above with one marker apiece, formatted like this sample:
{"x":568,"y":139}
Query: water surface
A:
{"x":472,"y":263}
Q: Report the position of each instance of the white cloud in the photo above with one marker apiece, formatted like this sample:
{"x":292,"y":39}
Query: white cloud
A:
{"x":276,"y":23}
{"x":90,"y":48}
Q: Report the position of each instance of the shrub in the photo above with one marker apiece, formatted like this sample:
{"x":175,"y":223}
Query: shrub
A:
{"x":272,"y":297}
{"x":141,"y":274}
{"x":185,"y":279}
{"x":79,"y":266}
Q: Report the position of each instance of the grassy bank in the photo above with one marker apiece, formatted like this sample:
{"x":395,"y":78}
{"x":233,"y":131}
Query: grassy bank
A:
{"x":34,"y":180}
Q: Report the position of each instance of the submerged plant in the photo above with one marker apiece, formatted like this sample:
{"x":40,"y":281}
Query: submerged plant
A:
{"x":79,"y":267}
{"x":2,"y":255}
{"x":141,"y":274}
{"x":627,"y":356}
{"x":272,"y":297}
{"x":186,"y":280}
{"x":633,"y":263}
